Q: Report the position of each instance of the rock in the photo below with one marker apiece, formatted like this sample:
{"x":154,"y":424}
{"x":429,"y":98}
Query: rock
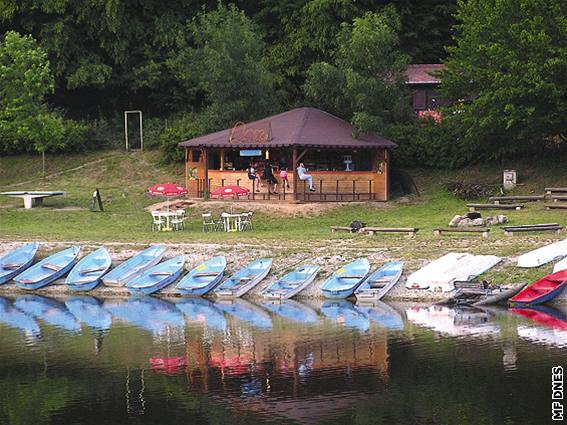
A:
{"x":455,"y":221}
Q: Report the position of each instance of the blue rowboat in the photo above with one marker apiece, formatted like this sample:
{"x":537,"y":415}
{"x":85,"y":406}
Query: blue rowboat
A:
{"x":135,"y":266}
{"x":292,"y":283}
{"x":89,"y":311}
{"x":203,"y":278}
{"x":244,"y":279}
{"x":381,"y":281}
{"x":87,"y":272}
{"x":382,"y":314}
{"x":17,"y":319}
{"x":17,"y":261}
{"x":245,"y":311}
{"x":157,"y":277}
{"x":345,"y":280}
{"x":202,"y":311}
{"x":48,"y":270}
{"x":292,"y":310}
{"x":343,"y":313}
{"x":148,"y":313}
{"x":48,"y":310}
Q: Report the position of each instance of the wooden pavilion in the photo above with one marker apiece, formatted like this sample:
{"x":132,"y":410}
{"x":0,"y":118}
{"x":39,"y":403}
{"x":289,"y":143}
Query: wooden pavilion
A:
{"x":343,"y":167}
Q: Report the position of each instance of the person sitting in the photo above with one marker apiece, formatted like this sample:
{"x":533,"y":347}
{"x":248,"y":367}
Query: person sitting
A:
{"x":253,"y":176}
{"x":284,"y":177}
{"x":302,"y":174}
{"x":270,"y":179}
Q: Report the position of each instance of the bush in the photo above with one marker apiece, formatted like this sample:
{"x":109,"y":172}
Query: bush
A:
{"x":184,"y":127}
{"x":429,"y":144}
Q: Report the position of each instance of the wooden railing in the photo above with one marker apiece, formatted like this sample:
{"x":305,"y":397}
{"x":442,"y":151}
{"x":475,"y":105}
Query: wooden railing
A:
{"x":325,"y":191}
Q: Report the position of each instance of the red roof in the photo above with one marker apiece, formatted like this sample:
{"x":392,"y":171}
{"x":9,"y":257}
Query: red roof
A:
{"x":424,"y":73}
{"x":301,"y":127}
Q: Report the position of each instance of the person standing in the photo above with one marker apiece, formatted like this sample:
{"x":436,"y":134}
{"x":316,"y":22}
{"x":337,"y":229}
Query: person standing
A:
{"x":302,"y":174}
{"x":270,"y":179}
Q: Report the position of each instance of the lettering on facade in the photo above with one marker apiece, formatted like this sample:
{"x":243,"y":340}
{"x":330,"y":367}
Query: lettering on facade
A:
{"x":242,"y":133}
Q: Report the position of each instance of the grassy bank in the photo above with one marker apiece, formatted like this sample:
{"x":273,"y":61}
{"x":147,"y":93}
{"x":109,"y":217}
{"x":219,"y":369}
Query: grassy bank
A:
{"x":124,"y":178}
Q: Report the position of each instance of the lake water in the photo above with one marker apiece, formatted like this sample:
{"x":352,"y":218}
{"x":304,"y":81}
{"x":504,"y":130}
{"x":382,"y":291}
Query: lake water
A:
{"x":83,"y":360}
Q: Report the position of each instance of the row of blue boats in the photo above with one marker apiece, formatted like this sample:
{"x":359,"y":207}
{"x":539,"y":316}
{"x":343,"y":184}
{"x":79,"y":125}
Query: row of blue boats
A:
{"x":145,"y":274}
{"x":156,"y":315}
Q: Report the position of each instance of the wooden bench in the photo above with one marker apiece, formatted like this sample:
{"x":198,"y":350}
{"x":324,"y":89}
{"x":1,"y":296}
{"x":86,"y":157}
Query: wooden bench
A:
{"x":552,"y":190}
{"x":484,"y":231}
{"x":547,"y":227}
{"x":534,"y":198}
{"x":335,"y":229}
{"x":556,"y":198}
{"x":411,"y":231}
{"x":474,"y":207}
{"x":556,"y":207}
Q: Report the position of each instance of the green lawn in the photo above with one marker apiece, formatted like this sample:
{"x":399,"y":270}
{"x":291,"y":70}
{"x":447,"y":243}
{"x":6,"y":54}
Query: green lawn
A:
{"x":124,"y":178}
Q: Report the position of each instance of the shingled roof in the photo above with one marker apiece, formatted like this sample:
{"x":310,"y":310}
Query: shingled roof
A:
{"x":301,"y":127}
{"x":424,"y":73}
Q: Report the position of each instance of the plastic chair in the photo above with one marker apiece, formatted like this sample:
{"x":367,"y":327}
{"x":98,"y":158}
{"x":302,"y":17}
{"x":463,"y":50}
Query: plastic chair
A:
{"x":208,"y":223}
{"x":157,"y":221}
{"x":246,"y":223}
{"x":177,"y":221}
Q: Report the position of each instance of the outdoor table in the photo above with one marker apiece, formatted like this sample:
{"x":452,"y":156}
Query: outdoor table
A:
{"x":167,"y":215}
{"x":232,"y":222}
{"x":31,"y":199}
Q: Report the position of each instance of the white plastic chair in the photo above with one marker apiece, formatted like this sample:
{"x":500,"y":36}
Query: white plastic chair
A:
{"x":246,"y":222}
{"x":208,"y":223}
{"x":157,"y":221}
{"x":177,"y":221}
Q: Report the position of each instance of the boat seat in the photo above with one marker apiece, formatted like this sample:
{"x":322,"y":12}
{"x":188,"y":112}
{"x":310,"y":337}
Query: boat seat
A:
{"x":81,"y":281}
{"x":26,"y":280}
{"x":205,"y":274}
{"x":93,"y":270}
{"x":378,"y":284}
{"x":12,"y":266}
{"x":351,"y":277}
{"x":162,"y":274}
{"x":51,"y":267}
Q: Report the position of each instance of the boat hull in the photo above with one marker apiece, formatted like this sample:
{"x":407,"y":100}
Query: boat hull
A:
{"x":195,"y":286}
{"x":130,"y":269}
{"x":543,"y":299}
{"x":366,"y":292}
{"x":27,"y":255}
{"x":233,"y":288}
{"x":342,"y":283}
{"x":281,"y":289}
{"x":99,"y":260}
{"x":28,"y":279}
{"x":157,"y":287}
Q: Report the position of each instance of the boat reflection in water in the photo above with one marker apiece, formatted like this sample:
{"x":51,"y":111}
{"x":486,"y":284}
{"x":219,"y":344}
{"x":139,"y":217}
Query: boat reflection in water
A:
{"x":204,"y":312}
{"x":382,"y":314}
{"x":17,"y":319}
{"x":237,"y":361}
{"x":49,"y":310}
{"x":344,"y":313}
{"x":458,"y":322}
{"x":292,"y":310}
{"x":245,"y":311}
{"x":149,"y":313}
{"x":89,"y":311}
{"x":550,"y":329}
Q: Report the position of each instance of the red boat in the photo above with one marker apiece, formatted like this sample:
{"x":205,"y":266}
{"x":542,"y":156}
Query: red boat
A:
{"x":545,"y":316}
{"x":542,"y":291}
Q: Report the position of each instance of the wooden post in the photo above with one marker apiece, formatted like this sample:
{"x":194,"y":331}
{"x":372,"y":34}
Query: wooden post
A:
{"x":294,"y":173}
{"x":185,"y":164}
{"x":387,"y":175}
{"x":206,"y":163}
{"x":222,"y":159}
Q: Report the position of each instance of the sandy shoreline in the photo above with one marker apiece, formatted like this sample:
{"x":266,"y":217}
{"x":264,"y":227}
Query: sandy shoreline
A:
{"x":237,"y":256}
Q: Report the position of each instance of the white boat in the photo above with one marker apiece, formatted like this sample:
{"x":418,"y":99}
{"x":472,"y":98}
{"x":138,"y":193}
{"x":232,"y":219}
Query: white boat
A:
{"x":560,"y":265}
{"x":543,"y":255}
{"x":466,"y":269}
{"x":421,"y":279}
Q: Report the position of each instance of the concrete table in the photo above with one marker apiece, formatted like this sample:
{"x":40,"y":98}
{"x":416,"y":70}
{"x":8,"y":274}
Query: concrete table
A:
{"x":31,"y":199}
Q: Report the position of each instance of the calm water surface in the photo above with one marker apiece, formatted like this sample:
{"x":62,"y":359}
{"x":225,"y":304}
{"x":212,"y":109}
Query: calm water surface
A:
{"x":83,"y":360}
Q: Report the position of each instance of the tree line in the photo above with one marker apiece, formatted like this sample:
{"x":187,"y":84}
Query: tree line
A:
{"x":203,"y":65}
